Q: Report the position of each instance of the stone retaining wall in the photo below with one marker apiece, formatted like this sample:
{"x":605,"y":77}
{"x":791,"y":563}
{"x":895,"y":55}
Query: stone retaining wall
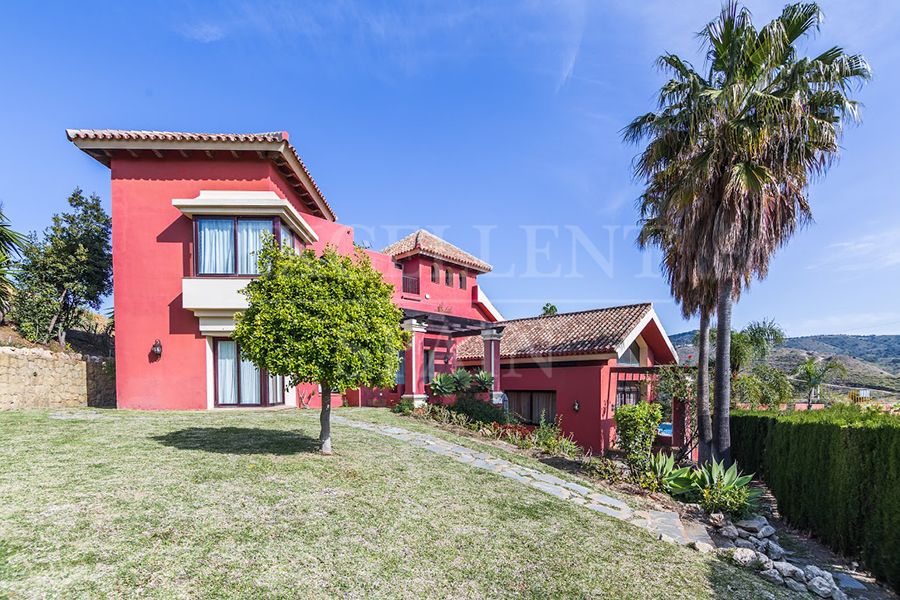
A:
{"x":37,"y":378}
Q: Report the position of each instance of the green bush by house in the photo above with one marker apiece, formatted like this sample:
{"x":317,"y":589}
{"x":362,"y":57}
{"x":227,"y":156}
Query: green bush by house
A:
{"x":834,"y":472}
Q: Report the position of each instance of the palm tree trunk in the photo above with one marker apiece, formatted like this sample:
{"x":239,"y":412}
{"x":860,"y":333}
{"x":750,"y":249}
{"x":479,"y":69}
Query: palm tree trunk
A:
{"x":704,"y":422}
{"x":722,"y":416}
{"x":325,"y":420}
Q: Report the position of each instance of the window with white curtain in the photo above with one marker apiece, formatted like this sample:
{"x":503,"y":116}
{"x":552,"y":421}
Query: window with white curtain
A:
{"x":231,"y":245}
{"x":251,"y":233}
{"x":215,"y":242}
{"x":240,"y":383}
{"x":287,"y":236}
{"x":226,"y":372}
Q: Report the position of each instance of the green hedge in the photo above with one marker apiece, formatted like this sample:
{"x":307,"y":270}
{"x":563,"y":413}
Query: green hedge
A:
{"x":835,"y":473}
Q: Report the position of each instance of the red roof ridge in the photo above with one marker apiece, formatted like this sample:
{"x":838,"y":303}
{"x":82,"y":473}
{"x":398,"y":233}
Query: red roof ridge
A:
{"x":422,"y":241}
{"x":580,"y":312}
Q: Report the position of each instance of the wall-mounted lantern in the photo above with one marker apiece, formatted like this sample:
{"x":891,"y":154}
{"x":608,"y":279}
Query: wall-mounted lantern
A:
{"x":576,"y":406}
{"x":157,"y":348}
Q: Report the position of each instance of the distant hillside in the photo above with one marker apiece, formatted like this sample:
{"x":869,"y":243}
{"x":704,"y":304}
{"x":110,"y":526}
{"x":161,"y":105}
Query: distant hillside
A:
{"x":872,"y":361}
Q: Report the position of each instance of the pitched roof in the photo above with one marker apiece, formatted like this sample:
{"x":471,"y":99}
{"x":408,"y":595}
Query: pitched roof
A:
{"x":90,"y":139}
{"x":426,"y":243}
{"x":598,"y":331}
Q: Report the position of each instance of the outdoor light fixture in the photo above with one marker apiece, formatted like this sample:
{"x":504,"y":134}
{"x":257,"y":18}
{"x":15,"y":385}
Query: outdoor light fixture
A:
{"x":576,"y":406}
{"x":157,"y":348}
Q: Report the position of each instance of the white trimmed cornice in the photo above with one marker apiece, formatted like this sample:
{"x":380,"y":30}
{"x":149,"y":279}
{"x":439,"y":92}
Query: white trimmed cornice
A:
{"x":244,"y":203}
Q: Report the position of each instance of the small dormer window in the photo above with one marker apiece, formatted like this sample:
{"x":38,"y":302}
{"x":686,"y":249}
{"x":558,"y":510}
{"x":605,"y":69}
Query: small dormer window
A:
{"x":632,"y":356}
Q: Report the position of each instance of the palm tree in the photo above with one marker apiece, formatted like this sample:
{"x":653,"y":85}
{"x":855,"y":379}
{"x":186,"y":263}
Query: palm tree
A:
{"x":812,"y":373}
{"x":694,"y":300}
{"x":11,"y":244}
{"x":731,"y":150}
{"x":753,"y":343}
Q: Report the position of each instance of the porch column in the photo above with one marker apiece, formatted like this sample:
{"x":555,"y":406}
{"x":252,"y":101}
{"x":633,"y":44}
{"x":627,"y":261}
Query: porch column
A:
{"x":491,"y":338}
{"x":414,"y":380}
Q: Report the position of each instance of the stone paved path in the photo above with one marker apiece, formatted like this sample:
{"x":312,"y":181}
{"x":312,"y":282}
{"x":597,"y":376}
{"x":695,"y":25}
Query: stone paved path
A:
{"x":663,"y":524}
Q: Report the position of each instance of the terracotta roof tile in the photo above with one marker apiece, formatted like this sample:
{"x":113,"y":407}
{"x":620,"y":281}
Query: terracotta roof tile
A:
{"x":428,"y":244}
{"x":183,"y":136}
{"x":598,"y":331}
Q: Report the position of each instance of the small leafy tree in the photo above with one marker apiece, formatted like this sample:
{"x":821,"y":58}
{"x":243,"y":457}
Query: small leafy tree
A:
{"x":812,"y":373}
{"x":549,"y":310}
{"x":326,"y":319}
{"x":636,"y":429}
{"x":67,"y":271}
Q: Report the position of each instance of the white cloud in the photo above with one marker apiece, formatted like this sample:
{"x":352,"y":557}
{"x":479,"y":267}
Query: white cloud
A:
{"x":203,"y":32}
{"x":861,"y":323}
{"x":871,"y":252}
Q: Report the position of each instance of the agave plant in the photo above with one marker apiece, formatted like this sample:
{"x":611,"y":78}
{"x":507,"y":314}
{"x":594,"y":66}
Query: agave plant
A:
{"x":483,"y":381}
{"x":462,"y":381}
{"x":443,"y":384}
{"x":671,"y":480}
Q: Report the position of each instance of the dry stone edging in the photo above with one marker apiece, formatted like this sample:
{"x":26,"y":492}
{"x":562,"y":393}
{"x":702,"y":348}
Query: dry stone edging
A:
{"x":664,"y":525}
{"x":753,"y":543}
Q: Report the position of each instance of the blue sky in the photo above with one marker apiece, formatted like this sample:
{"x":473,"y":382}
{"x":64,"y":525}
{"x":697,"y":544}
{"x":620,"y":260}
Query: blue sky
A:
{"x":496,"y":125}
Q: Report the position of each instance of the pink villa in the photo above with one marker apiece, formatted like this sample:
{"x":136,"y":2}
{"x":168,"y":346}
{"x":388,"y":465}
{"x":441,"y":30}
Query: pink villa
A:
{"x":190,"y":210}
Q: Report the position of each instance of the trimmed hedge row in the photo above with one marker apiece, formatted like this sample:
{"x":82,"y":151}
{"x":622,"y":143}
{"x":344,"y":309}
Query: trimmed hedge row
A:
{"x":834,"y":472}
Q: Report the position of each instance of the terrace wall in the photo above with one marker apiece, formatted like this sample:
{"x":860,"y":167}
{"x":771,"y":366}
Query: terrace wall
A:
{"x":36,"y":378}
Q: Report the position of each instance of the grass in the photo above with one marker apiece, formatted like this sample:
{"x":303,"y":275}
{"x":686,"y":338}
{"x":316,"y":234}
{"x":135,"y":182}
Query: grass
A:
{"x":238,"y":504}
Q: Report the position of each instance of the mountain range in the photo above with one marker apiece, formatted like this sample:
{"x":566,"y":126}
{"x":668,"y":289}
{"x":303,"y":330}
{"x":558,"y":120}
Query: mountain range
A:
{"x":872,"y":361}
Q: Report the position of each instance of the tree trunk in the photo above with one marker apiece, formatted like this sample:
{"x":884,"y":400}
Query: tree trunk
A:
{"x":722,"y":416}
{"x":809,"y":397}
{"x":61,"y":337}
{"x":56,"y":316}
{"x":704,"y":422}
{"x":325,"y":420}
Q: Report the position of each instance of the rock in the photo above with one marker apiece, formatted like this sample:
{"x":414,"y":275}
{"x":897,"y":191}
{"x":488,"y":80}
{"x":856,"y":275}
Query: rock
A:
{"x":837,"y":594}
{"x":774,"y":551}
{"x":701,"y":547}
{"x":753,"y":525}
{"x":754,"y":540}
{"x":848,"y":582}
{"x":763,"y":562}
{"x":765,"y":532}
{"x":729,"y":531}
{"x":744,"y":557}
{"x":743,"y":533}
{"x":795,"y":586}
{"x":788,"y":570}
{"x":744,"y":544}
{"x":812,"y":571}
{"x":717,"y":520}
{"x":772,"y":576}
{"x":820,"y":587}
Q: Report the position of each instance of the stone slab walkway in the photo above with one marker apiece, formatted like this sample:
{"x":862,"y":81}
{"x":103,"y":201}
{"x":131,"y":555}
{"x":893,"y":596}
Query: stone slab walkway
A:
{"x":664,"y":525}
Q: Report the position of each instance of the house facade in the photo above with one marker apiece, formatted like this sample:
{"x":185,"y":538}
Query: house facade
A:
{"x":190,"y":212}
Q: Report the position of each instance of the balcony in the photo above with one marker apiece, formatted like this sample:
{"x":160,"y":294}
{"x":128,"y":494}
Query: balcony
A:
{"x":410,"y":284}
{"x":214,"y":301}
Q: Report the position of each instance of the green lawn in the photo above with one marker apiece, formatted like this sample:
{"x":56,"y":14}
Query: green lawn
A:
{"x":239,"y":504}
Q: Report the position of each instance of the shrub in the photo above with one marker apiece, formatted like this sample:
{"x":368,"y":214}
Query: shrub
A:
{"x":834,"y":472}
{"x":482,"y":381}
{"x":718,"y":489}
{"x":636,"y":428}
{"x":550,"y":439}
{"x":603,"y":468}
{"x":404,"y":407}
{"x":480,"y":411}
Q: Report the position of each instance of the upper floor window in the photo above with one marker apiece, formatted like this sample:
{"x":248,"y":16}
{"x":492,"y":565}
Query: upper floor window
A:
{"x":462,"y":280}
{"x":435,"y":277}
{"x":231,"y":245}
{"x":448,"y":277}
{"x":632,"y":356}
